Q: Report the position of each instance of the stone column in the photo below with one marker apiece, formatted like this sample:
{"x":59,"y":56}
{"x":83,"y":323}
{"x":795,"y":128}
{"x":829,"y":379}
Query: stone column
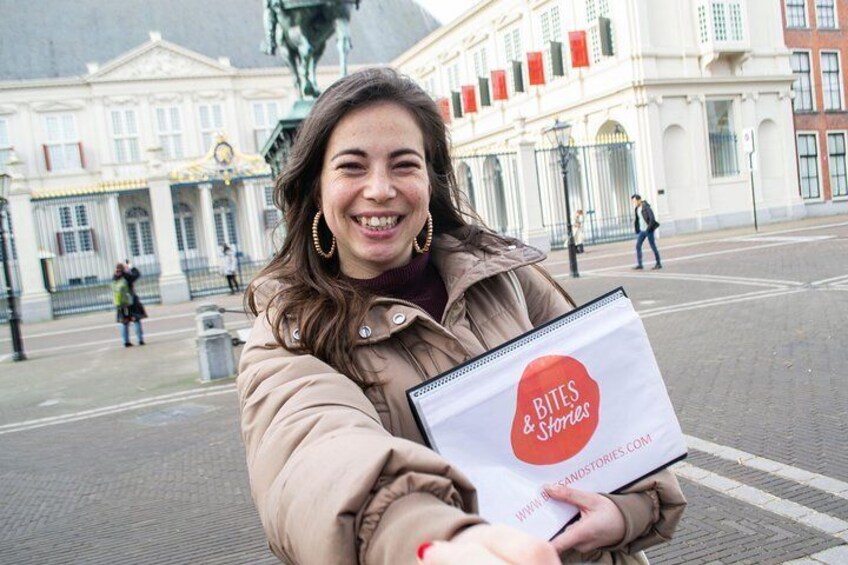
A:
{"x":114,"y":211}
{"x":749,"y":120}
{"x":35,"y":304}
{"x":210,"y":240}
{"x":173,"y":285}
{"x":533,"y":231}
{"x":701,"y":173}
{"x":254,"y":223}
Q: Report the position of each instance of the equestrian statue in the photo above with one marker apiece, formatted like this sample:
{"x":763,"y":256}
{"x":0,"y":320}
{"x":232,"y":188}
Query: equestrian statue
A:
{"x":301,"y":29}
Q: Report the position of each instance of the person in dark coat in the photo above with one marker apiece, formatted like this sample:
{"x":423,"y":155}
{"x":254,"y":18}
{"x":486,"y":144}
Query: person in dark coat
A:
{"x":651,"y":225}
{"x":129,"y":307}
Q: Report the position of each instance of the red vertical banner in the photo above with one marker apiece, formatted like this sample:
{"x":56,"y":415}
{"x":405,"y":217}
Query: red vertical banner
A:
{"x":469,"y":99}
{"x":499,"y":85}
{"x":444,"y":109}
{"x":579,"y":49}
{"x":536,"y":67}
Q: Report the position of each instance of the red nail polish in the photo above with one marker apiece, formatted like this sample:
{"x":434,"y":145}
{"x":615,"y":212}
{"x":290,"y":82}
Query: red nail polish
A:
{"x":422,"y":549}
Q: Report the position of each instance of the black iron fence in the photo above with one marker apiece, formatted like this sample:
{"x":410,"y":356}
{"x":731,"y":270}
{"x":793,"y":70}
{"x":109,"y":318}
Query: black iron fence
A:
{"x":601,"y":180}
{"x":97,"y":295}
{"x":490,"y":183}
{"x":205,"y":279}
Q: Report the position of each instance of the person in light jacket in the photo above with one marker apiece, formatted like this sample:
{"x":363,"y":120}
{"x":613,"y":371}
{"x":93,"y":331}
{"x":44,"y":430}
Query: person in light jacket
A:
{"x":228,"y":268}
{"x":382,"y":283}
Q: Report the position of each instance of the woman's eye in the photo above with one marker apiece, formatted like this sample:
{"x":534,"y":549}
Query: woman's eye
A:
{"x":350,"y":166}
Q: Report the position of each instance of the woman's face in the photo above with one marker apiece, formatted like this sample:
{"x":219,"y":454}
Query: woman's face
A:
{"x":375,"y":191}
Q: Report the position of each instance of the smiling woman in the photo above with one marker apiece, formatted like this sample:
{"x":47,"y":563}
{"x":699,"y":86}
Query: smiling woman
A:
{"x":382,"y":282}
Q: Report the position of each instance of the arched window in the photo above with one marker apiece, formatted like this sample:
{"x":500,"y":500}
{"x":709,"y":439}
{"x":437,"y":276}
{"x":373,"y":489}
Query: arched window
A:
{"x":139,"y":233}
{"x":184,"y":224}
{"x":466,"y":183}
{"x":222,"y":210}
{"x":493,"y":184}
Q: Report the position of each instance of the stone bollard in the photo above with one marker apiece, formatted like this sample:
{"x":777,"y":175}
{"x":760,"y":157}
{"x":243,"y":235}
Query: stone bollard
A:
{"x":214,"y":345}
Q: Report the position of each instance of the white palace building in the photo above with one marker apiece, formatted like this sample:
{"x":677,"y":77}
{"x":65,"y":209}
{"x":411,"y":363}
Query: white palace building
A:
{"x":145,"y":147}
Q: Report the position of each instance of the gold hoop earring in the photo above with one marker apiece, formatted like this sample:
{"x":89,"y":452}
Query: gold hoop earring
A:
{"x":428,"y":241}
{"x":316,"y":241}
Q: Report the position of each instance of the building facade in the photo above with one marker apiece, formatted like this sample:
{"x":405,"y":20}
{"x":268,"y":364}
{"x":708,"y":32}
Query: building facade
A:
{"x":816,"y":32}
{"x":151,"y":155}
{"x":659,"y":93}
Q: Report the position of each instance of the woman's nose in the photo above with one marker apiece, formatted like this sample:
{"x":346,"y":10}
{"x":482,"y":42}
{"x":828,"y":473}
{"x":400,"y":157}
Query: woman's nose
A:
{"x":380,"y":187}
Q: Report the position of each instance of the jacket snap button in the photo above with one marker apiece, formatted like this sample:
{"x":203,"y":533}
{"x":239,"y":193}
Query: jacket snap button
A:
{"x":510,"y":247}
{"x":296,"y":334}
{"x":399,"y":318}
{"x":364,"y":332}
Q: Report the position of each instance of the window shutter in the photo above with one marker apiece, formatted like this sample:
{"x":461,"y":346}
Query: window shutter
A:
{"x":46,"y":158}
{"x":605,"y":29}
{"x":456,"y":102}
{"x":81,"y":154}
{"x":499,"y":91}
{"x":557,"y":66}
{"x":271,"y":219}
{"x":517,"y":76}
{"x":485,"y":99}
{"x":93,"y":239}
{"x":60,"y":243}
{"x":444,"y":109}
{"x":579,"y":49}
{"x":469,"y":99}
{"x":536,"y":68}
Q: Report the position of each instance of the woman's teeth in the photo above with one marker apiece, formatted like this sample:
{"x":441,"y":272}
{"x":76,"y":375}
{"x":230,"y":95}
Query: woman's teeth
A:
{"x":378,"y":222}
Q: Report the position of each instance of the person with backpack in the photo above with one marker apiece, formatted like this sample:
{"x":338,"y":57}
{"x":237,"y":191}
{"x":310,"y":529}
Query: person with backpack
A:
{"x":127,"y":303}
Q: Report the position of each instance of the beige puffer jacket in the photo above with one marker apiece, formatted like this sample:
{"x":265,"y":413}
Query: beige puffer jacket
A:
{"x":342,"y":476}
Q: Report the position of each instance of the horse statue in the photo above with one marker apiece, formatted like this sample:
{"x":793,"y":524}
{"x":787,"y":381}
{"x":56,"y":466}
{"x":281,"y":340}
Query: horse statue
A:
{"x":302,"y":28}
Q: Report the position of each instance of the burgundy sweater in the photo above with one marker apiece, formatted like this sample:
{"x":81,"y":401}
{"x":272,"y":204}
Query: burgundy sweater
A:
{"x":418,"y":282}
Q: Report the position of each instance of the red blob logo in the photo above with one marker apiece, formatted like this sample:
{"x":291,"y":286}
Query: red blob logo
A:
{"x":557,"y":410}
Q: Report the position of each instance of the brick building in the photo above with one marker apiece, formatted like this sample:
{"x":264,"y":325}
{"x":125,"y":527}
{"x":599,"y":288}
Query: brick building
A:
{"x":816,"y":31}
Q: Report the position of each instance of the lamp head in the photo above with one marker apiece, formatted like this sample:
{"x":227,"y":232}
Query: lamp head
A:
{"x":559,"y":134}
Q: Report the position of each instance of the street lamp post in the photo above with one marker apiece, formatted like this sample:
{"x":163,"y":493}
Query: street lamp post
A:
{"x":560,"y":135}
{"x":14,"y":318}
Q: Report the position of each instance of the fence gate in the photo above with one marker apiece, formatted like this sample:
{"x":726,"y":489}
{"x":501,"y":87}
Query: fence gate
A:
{"x":79,"y":245}
{"x":601,"y":179}
{"x":490,"y":183}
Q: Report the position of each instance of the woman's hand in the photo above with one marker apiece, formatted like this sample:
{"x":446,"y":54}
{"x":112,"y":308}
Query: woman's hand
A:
{"x":485,"y":544}
{"x":601,"y":523}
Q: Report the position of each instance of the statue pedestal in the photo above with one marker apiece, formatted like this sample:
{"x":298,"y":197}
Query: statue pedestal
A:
{"x":276,"y":150}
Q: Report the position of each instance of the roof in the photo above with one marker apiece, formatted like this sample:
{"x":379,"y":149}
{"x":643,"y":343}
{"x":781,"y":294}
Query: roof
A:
{"x":57,"y":38}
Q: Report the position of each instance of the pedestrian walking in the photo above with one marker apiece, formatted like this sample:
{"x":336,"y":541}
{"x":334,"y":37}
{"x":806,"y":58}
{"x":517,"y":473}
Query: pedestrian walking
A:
{"x":578,"y":230}
{"x":129,"y":308}
{"x":228,"y":268}
{"x":382,"y":282}
{"x":643,"y":209}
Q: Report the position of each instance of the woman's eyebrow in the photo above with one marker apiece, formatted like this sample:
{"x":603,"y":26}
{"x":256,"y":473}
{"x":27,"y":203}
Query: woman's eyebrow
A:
{"x":362,"y":153}
{"x":355,"y":152}
{"x":405,"y":151}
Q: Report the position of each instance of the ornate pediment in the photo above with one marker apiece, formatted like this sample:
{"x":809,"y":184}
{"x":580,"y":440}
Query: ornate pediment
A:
{"x":160,"y":60}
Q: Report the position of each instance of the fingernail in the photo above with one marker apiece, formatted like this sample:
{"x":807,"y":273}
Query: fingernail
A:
{"x":422,"y":549}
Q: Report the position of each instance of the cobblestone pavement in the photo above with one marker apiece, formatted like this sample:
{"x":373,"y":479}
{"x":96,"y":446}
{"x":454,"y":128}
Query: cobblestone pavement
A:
{"x":110,"y":455}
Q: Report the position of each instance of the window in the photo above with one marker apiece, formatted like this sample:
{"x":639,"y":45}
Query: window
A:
{"x":826,"y":14}
{"x":808,"y":165}
{"x":63,"y":151}
{"x":125,"y":136}
{"x":139,"y":233}
{"x":222,"y":209}
{"x":723,"y":159}
{"x":837,"y":163}
{"x":703,"y":24}
{"x":513,"y":52}
{"x":429,"y":85}
{"x":452,"y":76}
{"x":802,"y":86}
{"x":481,"y":63}
{"x":271,"y":213}
{"x":831,"y":81}
{"x":796,"y":13}
{"x":184,"y":224}
{"x":737,"y":30}
{"x":75,"y":234}
{"x":5,"y":144}
{"x":211,"y":123}
{"x":551,"y":31}
{"x":265,"y":115}
{"x":596,"y":9}
{"x":170,"y":131}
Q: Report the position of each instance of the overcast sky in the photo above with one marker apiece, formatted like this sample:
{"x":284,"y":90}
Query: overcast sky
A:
{"x":446,"y":10}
